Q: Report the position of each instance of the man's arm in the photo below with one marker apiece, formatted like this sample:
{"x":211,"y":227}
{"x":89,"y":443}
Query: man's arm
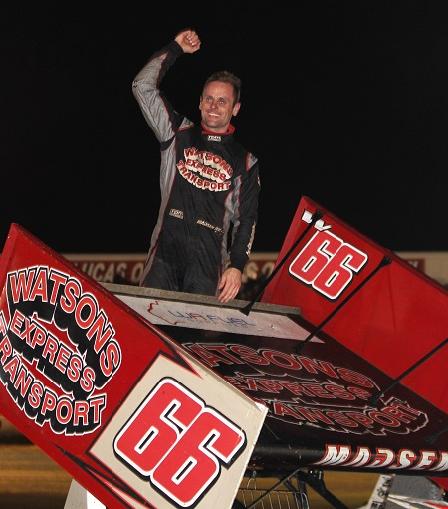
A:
{"x":157,"y":111}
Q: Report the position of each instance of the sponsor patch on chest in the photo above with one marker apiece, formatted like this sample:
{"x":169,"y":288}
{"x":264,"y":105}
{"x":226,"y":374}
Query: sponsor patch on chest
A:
{"x":179,"y":214}
{"x":205,"y":170}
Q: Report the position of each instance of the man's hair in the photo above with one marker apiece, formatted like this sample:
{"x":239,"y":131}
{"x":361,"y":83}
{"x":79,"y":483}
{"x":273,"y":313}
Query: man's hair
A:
{"x":226,"y":77}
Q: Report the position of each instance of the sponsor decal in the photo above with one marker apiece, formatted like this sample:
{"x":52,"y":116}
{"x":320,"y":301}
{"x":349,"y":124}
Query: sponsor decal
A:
{"x":301,"y":390}
{"x":205,"y":170}
{"x":179,"y":214}
{"x":181,"y":316}
{"x":57,"y":350}
{"x":203,"y":222}
{"x":226,"y":320}
{"x":251,"y":240}
{"x":212,"y":137}
{"x":381,"y":457}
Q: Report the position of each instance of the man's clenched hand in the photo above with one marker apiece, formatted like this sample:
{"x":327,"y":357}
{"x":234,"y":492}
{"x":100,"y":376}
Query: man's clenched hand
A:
{"x":188,"y":40}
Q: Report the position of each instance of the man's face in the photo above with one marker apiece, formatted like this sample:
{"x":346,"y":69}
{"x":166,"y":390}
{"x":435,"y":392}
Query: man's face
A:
{"x":216,"y":105}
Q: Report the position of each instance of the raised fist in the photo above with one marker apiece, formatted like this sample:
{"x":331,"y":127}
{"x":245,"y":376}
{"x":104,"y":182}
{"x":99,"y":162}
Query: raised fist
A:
{"x":188,"y":40}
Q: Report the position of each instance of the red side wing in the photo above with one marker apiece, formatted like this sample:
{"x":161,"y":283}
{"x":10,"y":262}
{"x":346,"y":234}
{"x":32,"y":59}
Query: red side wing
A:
{"x":391,"y":315}
{"x":107,"y":395}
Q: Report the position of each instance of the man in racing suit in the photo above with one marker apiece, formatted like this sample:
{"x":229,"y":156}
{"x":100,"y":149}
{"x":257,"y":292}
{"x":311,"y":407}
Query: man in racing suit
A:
{"x":209,"y":184}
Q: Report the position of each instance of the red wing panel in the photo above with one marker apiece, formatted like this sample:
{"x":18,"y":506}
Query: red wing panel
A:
{"x":389,"y":314}
{"x":109,"y":396}
{"x":319,"y":404}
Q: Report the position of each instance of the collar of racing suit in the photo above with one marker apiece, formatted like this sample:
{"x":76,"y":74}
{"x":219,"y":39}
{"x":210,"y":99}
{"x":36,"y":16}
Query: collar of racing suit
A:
{"x":230,"y":130}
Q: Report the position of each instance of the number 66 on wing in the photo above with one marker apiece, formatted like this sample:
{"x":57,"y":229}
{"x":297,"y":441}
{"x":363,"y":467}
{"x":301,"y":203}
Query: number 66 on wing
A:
{"x":178,"y":443}
{"x":327,"y":263}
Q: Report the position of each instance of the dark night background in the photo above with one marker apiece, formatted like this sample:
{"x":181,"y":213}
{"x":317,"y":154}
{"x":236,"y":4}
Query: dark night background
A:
{"x":345,"y":102}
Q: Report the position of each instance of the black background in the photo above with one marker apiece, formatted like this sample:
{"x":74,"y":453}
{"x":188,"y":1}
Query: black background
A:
{"x":344,"y":102}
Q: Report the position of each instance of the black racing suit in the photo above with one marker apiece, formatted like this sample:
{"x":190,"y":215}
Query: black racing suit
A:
{"x":209,"y":185}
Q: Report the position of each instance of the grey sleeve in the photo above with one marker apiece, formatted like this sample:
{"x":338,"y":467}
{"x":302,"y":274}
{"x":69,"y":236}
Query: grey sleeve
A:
{"x":246,"y":213}
{"x":158,"y":113}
